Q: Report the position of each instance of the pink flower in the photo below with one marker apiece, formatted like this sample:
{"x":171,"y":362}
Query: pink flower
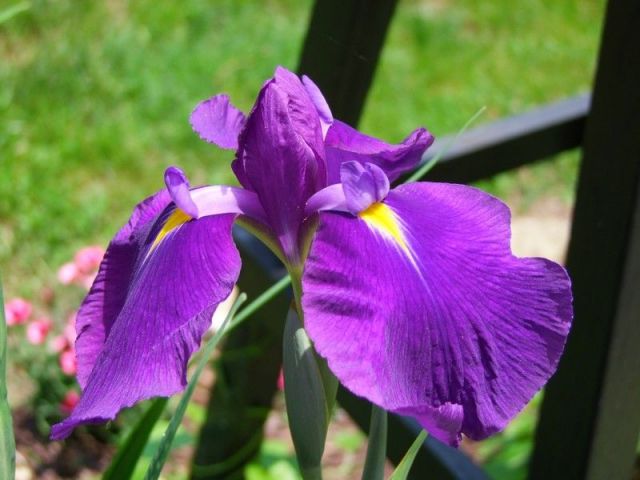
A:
{"x":59,"y":343}
{"x":67,"y":338}
{"x":280,"y":382}
{"x":38,"y":330}
{"x":70,"y":331}
{"x":68,"y":273}
{"x":88,"y":259}
{"x":68,"y":362}
{"x":17,"y":311}
{"x":69,"y":402}
{"x":87,"y":280}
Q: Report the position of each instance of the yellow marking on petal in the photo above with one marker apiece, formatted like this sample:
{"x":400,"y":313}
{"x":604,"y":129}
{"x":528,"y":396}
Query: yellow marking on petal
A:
{"x":177,"y":218}
{"x":382,"y":218}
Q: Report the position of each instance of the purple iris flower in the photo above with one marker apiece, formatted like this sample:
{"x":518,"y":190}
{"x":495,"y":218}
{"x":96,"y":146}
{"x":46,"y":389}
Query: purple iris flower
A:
{"x":411,"y":294}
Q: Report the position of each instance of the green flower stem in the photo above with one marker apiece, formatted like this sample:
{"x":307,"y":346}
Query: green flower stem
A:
{"x":310,"y":389}
{"x":305,"y":398}
{"x":329,"y":380}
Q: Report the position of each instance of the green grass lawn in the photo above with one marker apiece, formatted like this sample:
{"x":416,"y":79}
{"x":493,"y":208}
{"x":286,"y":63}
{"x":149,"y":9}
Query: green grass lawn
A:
{"x":95,"y":96}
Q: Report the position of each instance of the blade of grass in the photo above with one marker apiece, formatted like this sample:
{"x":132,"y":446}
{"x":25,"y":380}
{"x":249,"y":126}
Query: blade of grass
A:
{"x":424,"y":169}
{"x":7,"y":441}
{"x":124,"y":463}
{"x":162,"y":452}
{"x":264,"y":297}
{"x":402,"y":470}
{"x":377,"y":448}
{"x":10,"y":12}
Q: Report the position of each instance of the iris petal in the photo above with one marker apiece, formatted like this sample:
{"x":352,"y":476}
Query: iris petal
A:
{"x":147,"y":311}
{"x":363,"y":185}
{"x":344,"y":143}
{"x":217,"y":121}
{"x":453,"y":329}
{"x":324,"y":112}
{"x":302,"y":108}
{"x":278,"y":159}
{"x":109,"y":290}
{"x":178,"y":187}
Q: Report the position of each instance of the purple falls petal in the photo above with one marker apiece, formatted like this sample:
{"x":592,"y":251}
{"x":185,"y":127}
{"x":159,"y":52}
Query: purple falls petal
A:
{"x":178,"y":271}
{"x":217,"y":121}
{"x":363,"y":185}
{"x":278,"y":157}
{"x":178,"y":186}
{"x":109,"y":290}
{"x":344,"y":143}
{"x":422,"y":308}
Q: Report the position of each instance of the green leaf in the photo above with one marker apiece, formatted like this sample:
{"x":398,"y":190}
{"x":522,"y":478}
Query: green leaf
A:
{"x":7,"y":441}
{"x":308,"y":410}
{"x":124,"y":463}
{"x":377,"y":448}
{"x":162,"y":452}
{"x":402,"y":470}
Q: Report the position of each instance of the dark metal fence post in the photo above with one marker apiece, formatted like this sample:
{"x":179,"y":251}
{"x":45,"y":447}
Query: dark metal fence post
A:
{"x":341,"y":51}
{"x":591,"y":414}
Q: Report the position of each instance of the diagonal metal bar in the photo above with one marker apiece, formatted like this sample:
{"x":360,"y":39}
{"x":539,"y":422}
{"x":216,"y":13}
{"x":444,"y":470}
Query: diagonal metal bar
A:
{"x":590,"y":417}
{"x":511,"y":142}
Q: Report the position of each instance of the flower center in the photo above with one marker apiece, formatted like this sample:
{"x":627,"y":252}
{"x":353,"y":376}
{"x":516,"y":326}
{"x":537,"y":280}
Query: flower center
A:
{"x":177,"y":218}
{"x":381,"y":217}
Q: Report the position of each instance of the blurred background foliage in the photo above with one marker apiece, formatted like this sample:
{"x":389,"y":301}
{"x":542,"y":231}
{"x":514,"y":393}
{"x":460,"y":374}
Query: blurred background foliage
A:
{"x":95,"y":99}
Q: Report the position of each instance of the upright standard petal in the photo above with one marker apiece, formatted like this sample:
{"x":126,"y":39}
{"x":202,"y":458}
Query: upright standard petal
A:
{"x":344,"y":143}
{"x":322,"y":107}
{"x":418,"y":305}
{"x":278,"y":159}
{"x":303,"y":108}
{"x":217,"y":121}
{"x":175,"y":271}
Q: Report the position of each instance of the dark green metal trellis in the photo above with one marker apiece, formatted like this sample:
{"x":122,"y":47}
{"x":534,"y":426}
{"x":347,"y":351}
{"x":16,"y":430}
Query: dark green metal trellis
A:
{"x":590,"y":417}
